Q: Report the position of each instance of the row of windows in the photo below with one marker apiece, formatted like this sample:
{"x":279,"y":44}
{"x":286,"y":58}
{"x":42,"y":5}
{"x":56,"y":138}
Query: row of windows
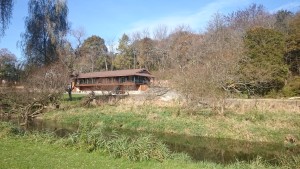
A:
{"x":135,"y":79}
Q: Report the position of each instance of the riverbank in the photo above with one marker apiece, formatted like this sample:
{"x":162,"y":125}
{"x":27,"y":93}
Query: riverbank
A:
{"x":246,"y":135}
{"x":42,"y":150}
{"x":254,"y":125}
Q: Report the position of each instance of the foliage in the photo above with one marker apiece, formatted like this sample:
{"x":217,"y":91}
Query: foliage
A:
{"x":6,"y":7}
{"x":293,"y":45}
{"x":46,"y":28}
{"x":125,"y":57}
{"x":94,"y":55}
{"x":283,"y":18}
{"x":263,"y":68}
{"x":292,"y":88}
{"x":8,"y":66}
{"x":144,"y":54}
{"x":8,"y":129}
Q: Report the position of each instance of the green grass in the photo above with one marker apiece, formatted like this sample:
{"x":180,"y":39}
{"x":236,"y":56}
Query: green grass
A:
{"x":75,"y":97}
{"x":251,"y":126}
{"x":19,"y":152}
{"x":45,"y":150}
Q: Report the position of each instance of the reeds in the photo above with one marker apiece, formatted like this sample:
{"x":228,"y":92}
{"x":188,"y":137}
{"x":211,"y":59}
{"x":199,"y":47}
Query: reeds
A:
{"x":135,"y":148}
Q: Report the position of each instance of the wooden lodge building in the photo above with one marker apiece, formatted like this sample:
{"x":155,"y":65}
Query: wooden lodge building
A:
{"x":115,"y":81}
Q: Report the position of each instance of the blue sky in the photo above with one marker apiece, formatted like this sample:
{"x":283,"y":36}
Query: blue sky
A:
{"x":109,"y":19}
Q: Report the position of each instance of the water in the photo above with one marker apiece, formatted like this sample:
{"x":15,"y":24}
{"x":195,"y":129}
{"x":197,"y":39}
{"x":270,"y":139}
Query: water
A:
{"x":61,"y":130}
{"x":222,"y":150}
{"x":199,"y":148}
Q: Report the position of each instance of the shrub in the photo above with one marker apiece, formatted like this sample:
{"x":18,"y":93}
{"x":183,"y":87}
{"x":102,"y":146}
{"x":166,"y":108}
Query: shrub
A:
{"x":292,"y":88}
{"x":7,"y":129}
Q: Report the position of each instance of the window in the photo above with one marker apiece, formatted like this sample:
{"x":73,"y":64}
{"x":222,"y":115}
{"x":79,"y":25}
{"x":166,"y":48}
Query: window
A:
{"x":123,"y":79}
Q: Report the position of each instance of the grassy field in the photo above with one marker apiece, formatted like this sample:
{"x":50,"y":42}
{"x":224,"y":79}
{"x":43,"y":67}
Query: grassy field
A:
{"x":44,"y":151}
{"x":258,"y":126}
{"x":19,"y":153}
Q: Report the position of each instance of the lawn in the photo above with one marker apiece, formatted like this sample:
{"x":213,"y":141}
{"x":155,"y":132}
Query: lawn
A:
{"x":21,"y":152}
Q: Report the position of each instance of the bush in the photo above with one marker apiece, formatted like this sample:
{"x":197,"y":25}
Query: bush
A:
{"x":7,"y":129}
{"x":292,"y":88}
{"x":27,"y":103}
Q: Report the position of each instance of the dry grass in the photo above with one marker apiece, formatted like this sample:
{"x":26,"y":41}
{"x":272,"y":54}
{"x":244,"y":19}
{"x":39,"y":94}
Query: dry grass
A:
{"x":252,"y":123}
{"x":272,"y":105}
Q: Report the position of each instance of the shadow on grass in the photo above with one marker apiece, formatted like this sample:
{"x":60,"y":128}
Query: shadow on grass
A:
{"x":75,"y":97}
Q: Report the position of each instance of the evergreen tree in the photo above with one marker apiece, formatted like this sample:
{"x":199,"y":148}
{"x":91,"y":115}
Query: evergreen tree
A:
{"x":293,"y":45}
{"x":125,"y":56}
{"x":263,"y":68}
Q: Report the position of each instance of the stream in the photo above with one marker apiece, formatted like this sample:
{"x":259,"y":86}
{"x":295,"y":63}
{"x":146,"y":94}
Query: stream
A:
{"x":218,"y":150}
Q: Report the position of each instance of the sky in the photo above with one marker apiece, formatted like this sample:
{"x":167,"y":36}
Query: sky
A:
{"x":110,"y":19}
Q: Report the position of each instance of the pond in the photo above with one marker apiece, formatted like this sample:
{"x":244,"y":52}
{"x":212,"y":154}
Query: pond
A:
{"x":218,"y":150}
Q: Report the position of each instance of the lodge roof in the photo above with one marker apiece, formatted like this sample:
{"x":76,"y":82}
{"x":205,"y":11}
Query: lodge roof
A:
{"x":116,"y":73}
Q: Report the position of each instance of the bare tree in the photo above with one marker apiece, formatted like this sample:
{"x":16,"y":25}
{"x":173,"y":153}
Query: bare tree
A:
{"x":78,"y":34}
{"x":253,"y":16}
{"x":160,"y":32}
{"x":213,"y":65}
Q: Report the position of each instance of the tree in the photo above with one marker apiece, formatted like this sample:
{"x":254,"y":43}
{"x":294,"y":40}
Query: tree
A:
{"x":253,"y":16}
{"x":293,"y":45}
{"x":8,"y":70}
{"x":72,"y":55}
{"x":94,"y":52}
{"x":46,"y":28}
{"x":263,"y":68}
{"x":181,"y":42}
{"x":111,"y":52}
{"x":6,"y":7}
{"x":144,"y":54}
{"x":160,"y":32}
{"x":125,"y":57}
{"x":78,"y":34}
{"x":282,"y":21}
{"x":208,"y":63}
